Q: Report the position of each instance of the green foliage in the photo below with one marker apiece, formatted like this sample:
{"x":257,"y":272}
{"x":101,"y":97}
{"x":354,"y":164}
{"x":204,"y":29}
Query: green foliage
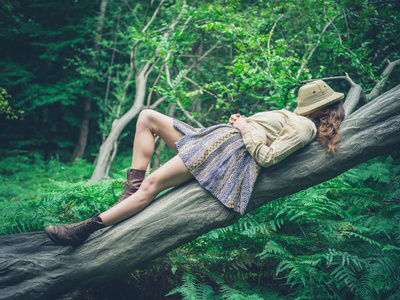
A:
{"x":241,"y":56}
{"x":338,"y":240}
{"x":35,"y":193}
{"x":191,"y":290}
{"x":39,"y":36}
{"x":333,"y":241}
{"x":28,"y":176}
{"x":66,"y":203}
{"x":6,"y":109}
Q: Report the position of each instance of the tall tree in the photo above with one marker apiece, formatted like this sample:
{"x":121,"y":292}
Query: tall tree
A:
{"x":87,"y":101}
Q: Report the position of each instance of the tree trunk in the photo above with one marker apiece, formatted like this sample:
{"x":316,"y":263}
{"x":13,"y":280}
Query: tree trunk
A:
{"x":32,"y":267}
{"x":100,"y":172}
{"x":80,"y":146}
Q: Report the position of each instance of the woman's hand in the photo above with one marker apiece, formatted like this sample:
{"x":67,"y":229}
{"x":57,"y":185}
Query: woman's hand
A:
{"x":240,"y":122}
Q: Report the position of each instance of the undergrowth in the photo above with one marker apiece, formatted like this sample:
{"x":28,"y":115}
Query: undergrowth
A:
{"x":337,"y":240}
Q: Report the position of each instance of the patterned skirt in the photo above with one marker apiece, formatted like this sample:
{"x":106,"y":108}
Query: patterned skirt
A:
{"x":220,"y":162}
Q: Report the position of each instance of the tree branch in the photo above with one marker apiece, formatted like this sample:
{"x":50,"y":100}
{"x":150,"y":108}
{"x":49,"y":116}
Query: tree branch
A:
{"x":381,"y":83}
{"x":196,"y":84}
{"x":158,"y":102}
{"x":148,"y":65}
{"x":347,"y":49}
{"x":271,"y":32}
{"x":113,"y":155}
{"x":116,"y":50}
{"x":187,"y":115}
{"x":155,"y":83}
{"x":169,"y":82}
{"x":147,"y":11}
{"x":132,"y":70}
{"x":132,"y":11}
{"x":153,"y":16}
{"x":105,"y":101}
{"x":185,"y":25}
{"x":353,"y":97}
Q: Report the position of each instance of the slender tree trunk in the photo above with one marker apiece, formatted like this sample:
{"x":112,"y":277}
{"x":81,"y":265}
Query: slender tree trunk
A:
{"x":118,"y":125}
{"x":80,"y":146}
{"x":107,"y":92}
{"x":32,"y":267}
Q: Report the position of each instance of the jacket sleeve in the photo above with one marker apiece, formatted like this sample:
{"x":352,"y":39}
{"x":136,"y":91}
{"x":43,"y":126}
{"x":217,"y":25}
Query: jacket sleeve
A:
{"x":292,"y":137}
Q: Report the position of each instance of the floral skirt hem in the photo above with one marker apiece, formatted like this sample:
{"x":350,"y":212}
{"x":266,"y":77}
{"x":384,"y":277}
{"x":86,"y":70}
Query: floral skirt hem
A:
{"x":218,"y":159}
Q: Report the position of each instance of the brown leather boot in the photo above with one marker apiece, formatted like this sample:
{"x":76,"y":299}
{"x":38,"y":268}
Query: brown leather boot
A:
{"x":134,"y":180}
{"x":74,"y":234}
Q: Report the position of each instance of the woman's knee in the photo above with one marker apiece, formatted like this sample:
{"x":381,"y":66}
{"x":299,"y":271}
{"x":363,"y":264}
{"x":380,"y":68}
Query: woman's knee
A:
{"x":146,"y":117}
{"x":150,"y":119}
{"x":149,"y":186}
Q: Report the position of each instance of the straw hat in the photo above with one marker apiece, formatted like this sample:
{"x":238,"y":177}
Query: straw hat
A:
{"x":314,"y":96}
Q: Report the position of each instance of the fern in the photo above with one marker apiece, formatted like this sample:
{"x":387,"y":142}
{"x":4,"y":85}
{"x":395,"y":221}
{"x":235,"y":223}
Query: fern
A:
{"x":67,"y":203}
{"x":229,"y":293}
{"x":191,"y":290}
{"x":337,"y":240}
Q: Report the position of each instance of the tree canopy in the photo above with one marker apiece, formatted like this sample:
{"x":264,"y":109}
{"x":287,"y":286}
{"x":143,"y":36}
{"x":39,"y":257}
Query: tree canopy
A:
{"x":66,"y":62}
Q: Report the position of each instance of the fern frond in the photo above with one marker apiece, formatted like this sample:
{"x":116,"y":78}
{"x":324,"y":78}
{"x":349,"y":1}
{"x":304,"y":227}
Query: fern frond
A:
{"x":191,"y":290}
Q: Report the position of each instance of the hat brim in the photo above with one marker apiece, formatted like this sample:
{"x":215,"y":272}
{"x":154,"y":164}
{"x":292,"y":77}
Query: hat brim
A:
{"x":321,"y":104}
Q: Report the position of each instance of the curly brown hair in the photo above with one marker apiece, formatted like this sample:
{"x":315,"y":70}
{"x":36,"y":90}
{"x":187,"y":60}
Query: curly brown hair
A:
{"x":328,"y":133}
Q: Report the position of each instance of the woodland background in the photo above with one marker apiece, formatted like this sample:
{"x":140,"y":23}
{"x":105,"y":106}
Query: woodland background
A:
{"x":75,"y":75}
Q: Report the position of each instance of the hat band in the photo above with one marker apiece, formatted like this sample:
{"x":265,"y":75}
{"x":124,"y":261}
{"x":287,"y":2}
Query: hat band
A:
{"x":322,"y":91}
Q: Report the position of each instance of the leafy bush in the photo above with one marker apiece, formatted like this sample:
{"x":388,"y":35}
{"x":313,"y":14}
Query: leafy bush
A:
{"x":27,"y":177}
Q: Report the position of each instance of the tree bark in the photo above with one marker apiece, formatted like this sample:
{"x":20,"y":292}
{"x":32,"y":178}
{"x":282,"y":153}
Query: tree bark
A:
{"x":355,"y":94}
{"x":32,"y":267}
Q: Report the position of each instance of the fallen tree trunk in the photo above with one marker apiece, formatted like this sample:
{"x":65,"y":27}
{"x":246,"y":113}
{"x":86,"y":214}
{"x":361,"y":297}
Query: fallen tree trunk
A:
{"x":32,"y":267}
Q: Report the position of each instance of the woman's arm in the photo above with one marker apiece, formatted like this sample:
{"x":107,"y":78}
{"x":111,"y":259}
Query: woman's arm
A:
{"x":292,"y":137}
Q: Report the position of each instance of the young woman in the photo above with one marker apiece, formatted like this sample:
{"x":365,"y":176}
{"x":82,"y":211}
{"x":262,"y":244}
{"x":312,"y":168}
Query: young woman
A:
{"x":225,"y":159}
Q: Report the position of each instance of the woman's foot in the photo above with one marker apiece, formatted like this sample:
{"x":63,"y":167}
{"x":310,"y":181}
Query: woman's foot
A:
{"x":74,"y":234}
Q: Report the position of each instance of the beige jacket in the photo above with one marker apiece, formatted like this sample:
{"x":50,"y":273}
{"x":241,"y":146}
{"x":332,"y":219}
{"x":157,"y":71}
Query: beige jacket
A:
{"x":274,"y":135}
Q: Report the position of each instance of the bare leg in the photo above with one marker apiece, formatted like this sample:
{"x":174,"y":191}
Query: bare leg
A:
{"x":149,"y":123}
{"x":172,"y":173}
